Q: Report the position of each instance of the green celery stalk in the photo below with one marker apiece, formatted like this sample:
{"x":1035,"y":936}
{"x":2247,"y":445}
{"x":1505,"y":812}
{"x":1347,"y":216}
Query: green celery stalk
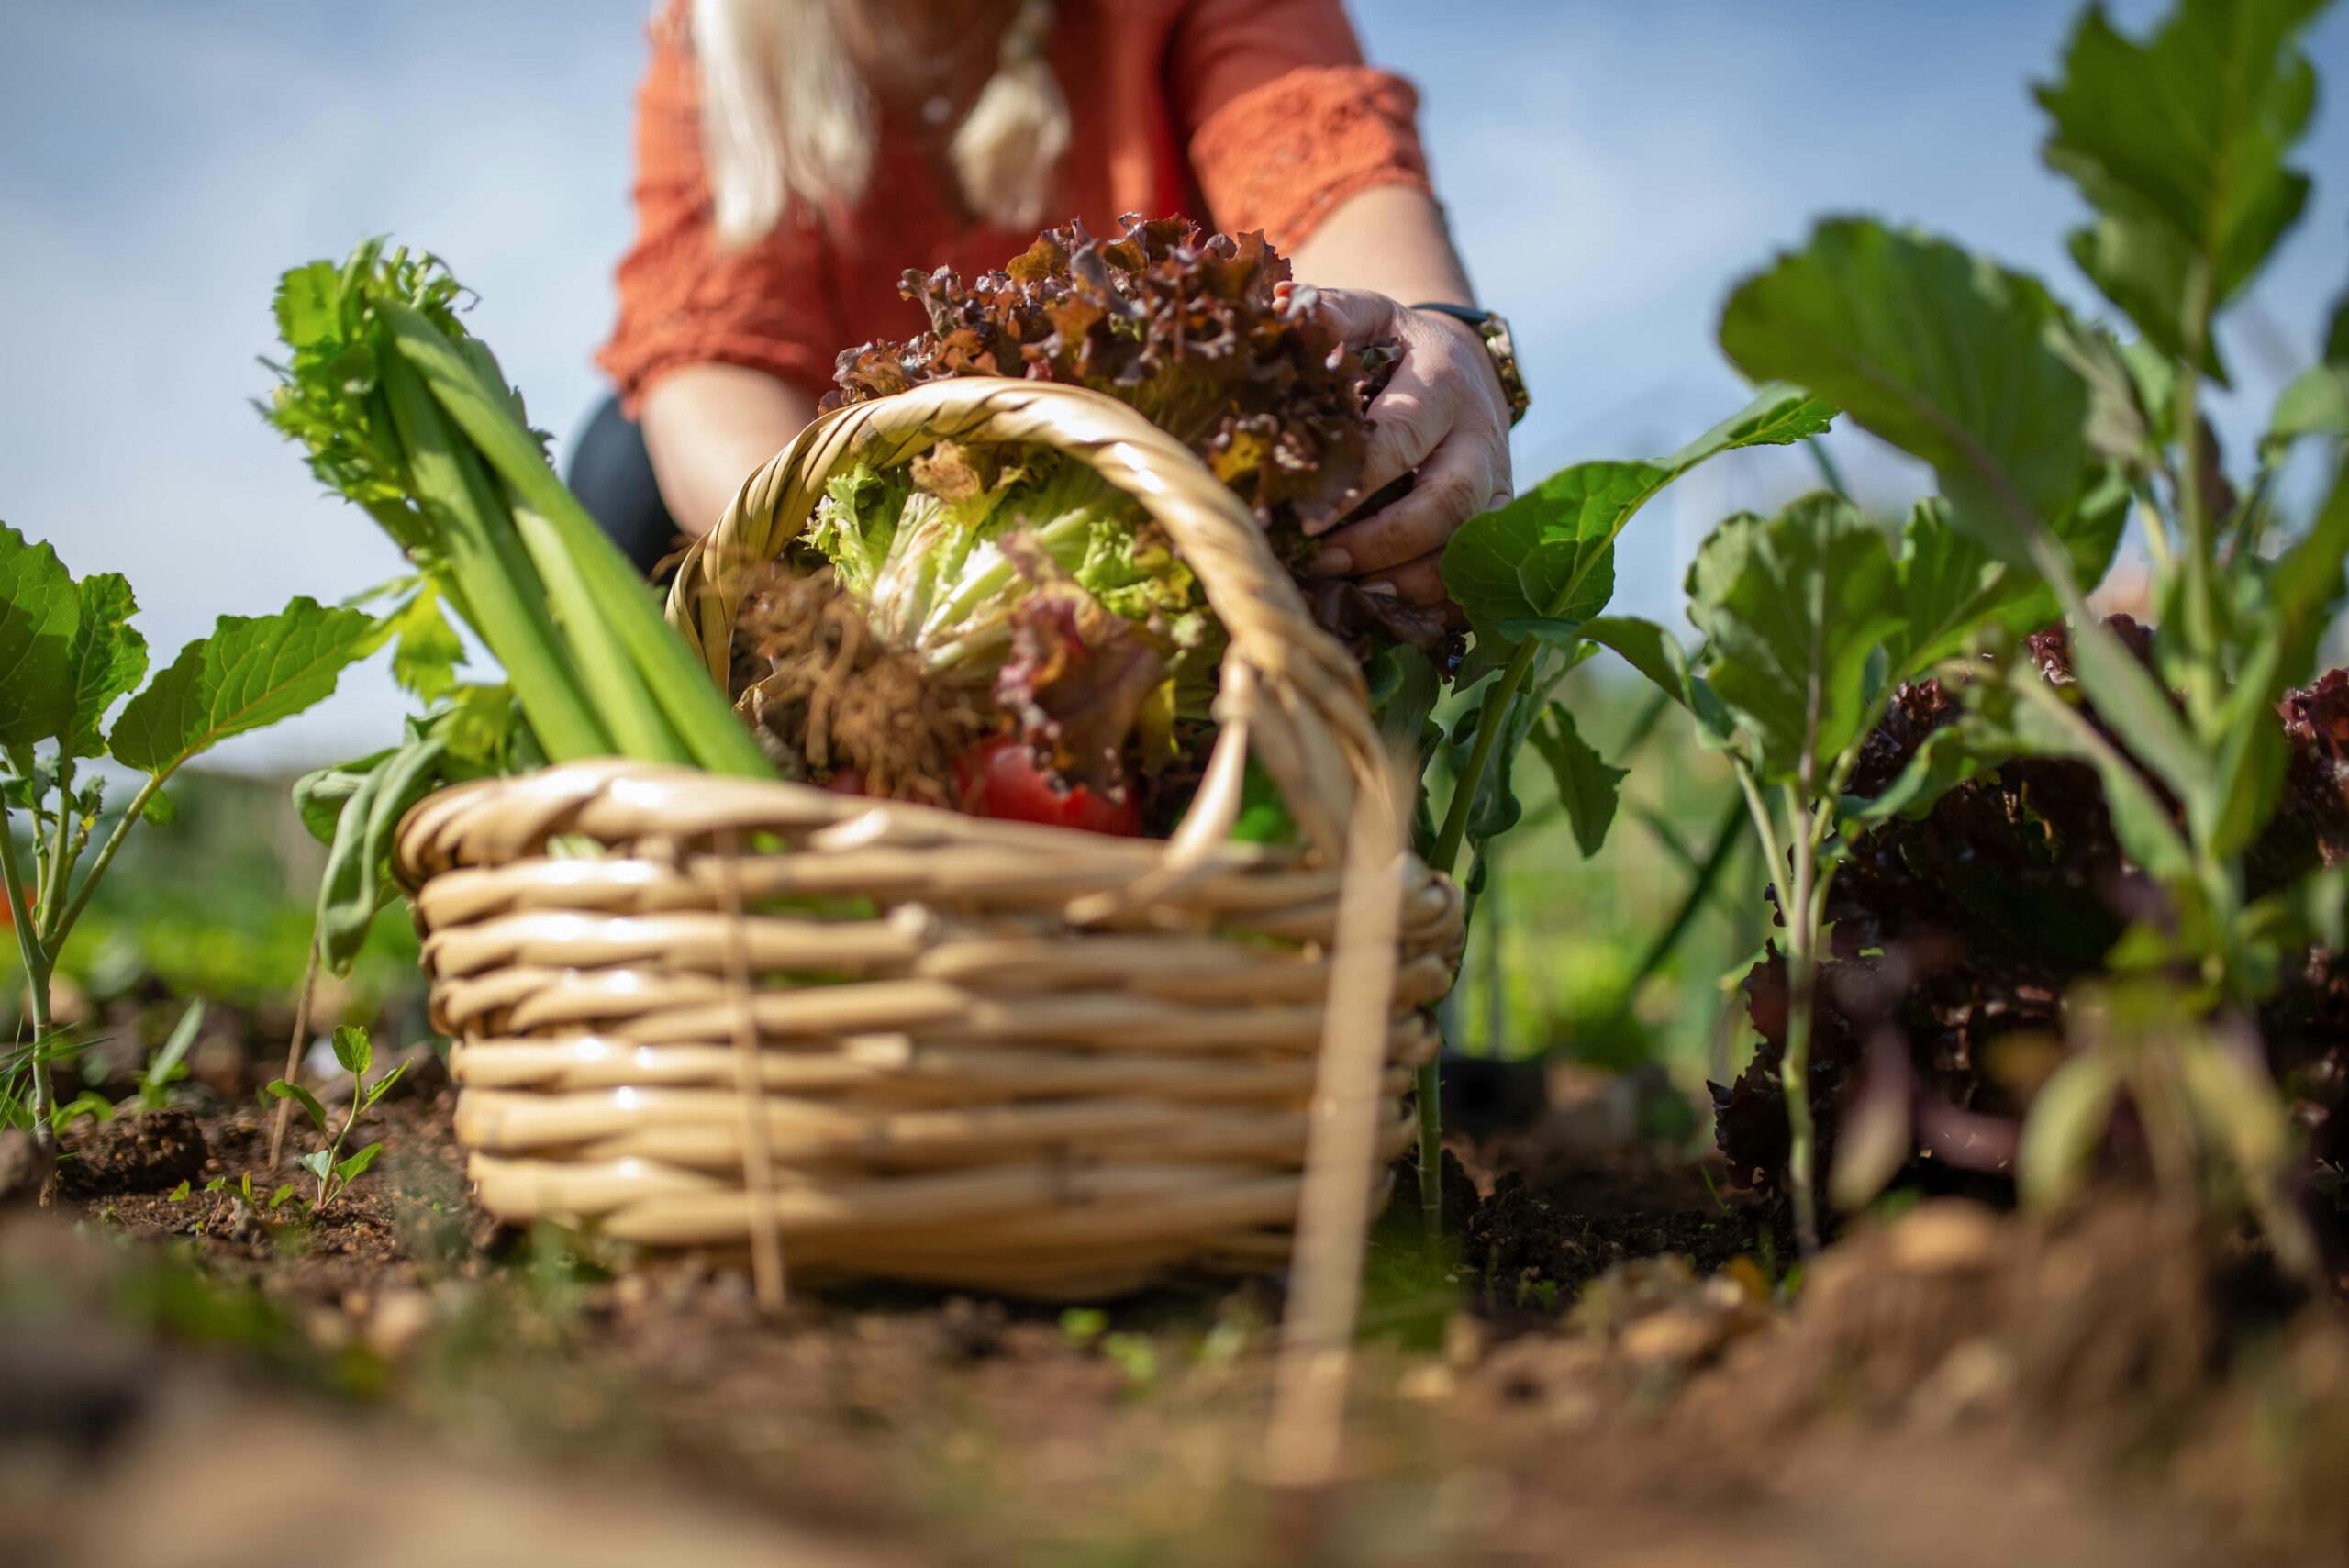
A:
{"x":636,"y":722}
{"x":501,"y":590}
{"x":616,"y":597}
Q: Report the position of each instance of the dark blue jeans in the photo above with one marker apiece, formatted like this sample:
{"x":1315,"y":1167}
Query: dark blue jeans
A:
{"x":613,"y":478}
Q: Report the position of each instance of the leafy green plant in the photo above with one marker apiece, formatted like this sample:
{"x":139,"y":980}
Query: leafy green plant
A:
{"x":1533,"y":577}
{"x":2041,"y":428}
{"x":333,"y":1170}
{"x":68,"y":654}
{"x":1809,"y":621}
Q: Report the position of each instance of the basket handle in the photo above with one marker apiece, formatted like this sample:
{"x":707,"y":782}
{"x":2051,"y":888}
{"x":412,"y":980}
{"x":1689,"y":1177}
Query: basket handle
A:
{"x":1289,"y":690}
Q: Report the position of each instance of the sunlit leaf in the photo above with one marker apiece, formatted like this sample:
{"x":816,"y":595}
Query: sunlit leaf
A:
{"x":383,"y":1085}
{"x":351,"y":1048}
{"x":320,"y":796}
{"x":1657,"y":655}
{"x":427,"y":651}
{"x":253,"y":670}
{"x":1948,"y":756}
{"x":1545,"y":562}
{"x":168,"y":1061}
{"x":2180,"y":142}
{"x":1496,"y":808}
{"x":41,"y":614}
{"x":1944,"y":355}
{"x":108,"y":659}
{"x":1951,"y":586}
{"x":2235,"y":1103}
{"x":1793,"y":607}
{"x":357,"y":883}
{"x":2316,"y":402}
{"x":356,"y":1166}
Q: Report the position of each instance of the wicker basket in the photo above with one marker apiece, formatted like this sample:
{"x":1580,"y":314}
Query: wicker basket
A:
{"x":1029,"y":1060}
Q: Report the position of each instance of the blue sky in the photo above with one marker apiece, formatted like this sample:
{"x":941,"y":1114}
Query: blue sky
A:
{"x":1611,"y":169}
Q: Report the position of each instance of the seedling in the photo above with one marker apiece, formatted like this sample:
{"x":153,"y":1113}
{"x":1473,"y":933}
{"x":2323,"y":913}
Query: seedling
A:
{"x":1533,"y":578}
{"x":170,"y":1064}
{"x":334,"y":1171}
{"x":243,"y":1192}
{"x":68,"y":653}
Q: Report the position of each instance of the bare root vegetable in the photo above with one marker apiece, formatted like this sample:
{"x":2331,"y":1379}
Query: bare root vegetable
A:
{"x":830,"y":702}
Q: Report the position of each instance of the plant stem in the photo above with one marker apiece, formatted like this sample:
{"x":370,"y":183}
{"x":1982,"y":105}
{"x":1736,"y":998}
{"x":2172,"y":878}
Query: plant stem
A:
{"x":1427,"y":1087}
{"x":59,"y":866}
{"x":1449,"y":838}
{"x":2201,"y":535}
{"x":1763,"y":828}
{"x":1802,"y":977}
{"x":1792,"y":883}
{"x":294,"y":1051}
{"x":61,"y":926}
{"x":37,"y":970}
{"x":1428,"y":1082}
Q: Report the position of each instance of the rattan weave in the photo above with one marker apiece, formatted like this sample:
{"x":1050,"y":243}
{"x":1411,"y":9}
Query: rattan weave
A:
{"x":987,"y":1054}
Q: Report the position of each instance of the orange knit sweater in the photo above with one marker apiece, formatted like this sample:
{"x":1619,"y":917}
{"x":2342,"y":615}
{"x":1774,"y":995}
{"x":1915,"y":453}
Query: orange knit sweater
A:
{"x":1243,"y":114}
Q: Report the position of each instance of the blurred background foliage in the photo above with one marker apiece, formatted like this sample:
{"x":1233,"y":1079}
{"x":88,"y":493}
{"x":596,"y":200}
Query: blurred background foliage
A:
{"x":1553,"y":961}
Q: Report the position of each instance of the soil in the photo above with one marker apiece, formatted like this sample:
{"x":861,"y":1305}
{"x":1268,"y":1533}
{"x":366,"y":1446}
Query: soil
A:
{"x":135,"y":1154}
{"x":1613,"y":1370}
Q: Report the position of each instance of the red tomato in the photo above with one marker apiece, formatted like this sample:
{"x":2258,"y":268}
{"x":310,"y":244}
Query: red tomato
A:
{"x":999,"y":778}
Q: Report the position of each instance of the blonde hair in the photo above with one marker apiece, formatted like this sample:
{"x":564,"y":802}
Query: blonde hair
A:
{"x":786,"y":119}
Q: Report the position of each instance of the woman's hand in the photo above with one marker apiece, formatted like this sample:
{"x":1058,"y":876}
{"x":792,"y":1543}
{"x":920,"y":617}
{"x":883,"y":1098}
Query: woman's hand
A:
{"x":1442,"y":417}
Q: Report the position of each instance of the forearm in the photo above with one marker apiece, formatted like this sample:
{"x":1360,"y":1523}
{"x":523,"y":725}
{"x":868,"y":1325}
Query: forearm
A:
{"x":1387,"y":239}
{"x":707,"y":428}
{"x":1442,"y":417}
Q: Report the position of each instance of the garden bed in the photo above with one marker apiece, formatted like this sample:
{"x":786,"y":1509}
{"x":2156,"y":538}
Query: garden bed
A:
{"x":1955,"y":1387}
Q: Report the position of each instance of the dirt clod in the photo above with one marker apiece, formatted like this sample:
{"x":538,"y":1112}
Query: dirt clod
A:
{"x":150,"y":1152}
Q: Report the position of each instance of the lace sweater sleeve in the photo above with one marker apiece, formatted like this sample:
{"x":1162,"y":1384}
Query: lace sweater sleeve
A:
{"x":1284,"y":118}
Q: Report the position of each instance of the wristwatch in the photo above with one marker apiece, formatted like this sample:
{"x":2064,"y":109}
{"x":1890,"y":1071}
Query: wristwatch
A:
{"x":1494,"y":332}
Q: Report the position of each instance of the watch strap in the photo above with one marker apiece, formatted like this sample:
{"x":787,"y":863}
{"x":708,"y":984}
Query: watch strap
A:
{"x":1498,"y":344}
